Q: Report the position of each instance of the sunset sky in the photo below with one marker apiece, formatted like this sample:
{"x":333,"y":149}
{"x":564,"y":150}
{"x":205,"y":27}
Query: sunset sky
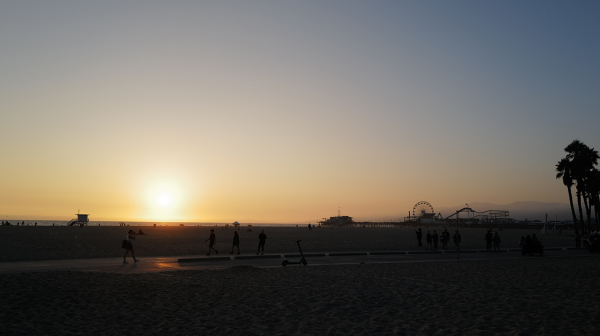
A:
{"x":283,"y":111}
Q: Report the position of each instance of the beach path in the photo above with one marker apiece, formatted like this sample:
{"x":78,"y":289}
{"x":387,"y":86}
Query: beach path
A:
{"x":164,"y":264}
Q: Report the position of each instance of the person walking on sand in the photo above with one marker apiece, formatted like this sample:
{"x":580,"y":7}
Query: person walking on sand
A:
{"x":435,"y":238}
{"x":488,"y":240}
{"x":211,"y":241}
{"x":419,"y":236}
{"x":236,"y":242}
{"x":577,"y":239}
{"x":429,"y":239}
{"x":128,"y":246}
{"x":262,"y":237}
{"x":497,"y":241}
{"x":456,"y":238}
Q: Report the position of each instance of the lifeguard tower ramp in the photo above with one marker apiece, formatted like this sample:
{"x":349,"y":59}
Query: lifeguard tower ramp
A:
{"x":81,"y":220}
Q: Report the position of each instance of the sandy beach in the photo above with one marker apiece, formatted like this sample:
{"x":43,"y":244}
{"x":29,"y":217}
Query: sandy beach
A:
{"x":51,"y":243}
{"x":498,"y":297}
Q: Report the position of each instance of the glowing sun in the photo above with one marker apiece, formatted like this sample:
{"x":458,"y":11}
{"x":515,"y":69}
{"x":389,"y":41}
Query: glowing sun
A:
{"x":164,"y":200}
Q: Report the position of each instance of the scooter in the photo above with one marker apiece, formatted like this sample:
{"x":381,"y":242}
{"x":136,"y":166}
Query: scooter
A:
{"x":302,"y":261}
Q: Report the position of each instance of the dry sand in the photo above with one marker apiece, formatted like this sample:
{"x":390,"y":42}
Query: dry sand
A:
{"x":537,"y":296}
{"x":45,"y":243}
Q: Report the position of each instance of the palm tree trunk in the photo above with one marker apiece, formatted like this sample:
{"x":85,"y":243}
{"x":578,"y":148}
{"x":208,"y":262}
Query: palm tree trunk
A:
{"x":572,"y":207}
{"x":578,"y":193}
{"x":588,"y":210}
{"x":596,"y":201}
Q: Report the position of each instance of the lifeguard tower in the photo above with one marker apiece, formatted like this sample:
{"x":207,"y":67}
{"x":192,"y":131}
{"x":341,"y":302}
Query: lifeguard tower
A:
{"x":81,"y":220}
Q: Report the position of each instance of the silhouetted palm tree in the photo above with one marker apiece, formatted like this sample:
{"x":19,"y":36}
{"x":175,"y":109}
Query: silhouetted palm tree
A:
{"x":583,"y":160}
{"x":563,"y":169}
{"x":575,"y":150}
{"x":593,"y":186}
{"x":589,"y":161}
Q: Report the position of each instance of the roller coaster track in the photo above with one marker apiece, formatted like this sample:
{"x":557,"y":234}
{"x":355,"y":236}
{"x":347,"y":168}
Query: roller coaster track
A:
{"x":466,"y":209}
{"x":492,"y":213}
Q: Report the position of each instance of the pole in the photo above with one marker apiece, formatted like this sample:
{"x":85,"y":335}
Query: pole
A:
{"x":457,"y":251}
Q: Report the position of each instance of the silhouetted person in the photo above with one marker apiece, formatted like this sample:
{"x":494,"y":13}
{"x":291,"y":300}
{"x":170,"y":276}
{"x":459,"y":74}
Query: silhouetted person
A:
{"x":140,"y":232}
{"x":528,"y":242}
{"x":535,"y":240}
{"x":577,"y":239}
{"x":128,"y":246}
{"x":429,"y":239}
{"x":445,"y":239}
{"x":211,"y":242}
{"x":497,"y":241}
{"x":435,"y":238}
{"x":488,"y":240}
{"x":419,"y":236}
{"x":309,"y":227}
{"x":456,"y":238}
{"x":262,"y":237}
{"x":236,"y":242}
{"x":522,"y":242}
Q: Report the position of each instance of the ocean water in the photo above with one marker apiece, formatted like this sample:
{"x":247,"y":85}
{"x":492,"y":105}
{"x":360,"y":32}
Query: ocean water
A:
{"x":118,"y":223}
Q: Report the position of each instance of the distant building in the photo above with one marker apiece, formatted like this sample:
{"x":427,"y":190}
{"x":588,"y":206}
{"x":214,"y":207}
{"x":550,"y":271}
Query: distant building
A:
{"x":338,"y":221}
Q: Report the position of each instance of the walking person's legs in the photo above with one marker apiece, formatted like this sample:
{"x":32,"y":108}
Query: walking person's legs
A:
{"x":132,"y":255}
{"x":210,"y":247}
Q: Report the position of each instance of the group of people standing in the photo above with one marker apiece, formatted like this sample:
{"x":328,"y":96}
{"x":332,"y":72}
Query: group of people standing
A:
{"x":492,"y":238}
{"x":7,"y":223}
{"x":433,"y":239}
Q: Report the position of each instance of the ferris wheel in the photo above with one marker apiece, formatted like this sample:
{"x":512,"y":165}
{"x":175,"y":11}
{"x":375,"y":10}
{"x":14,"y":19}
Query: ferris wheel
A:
{"x":422,"y":208}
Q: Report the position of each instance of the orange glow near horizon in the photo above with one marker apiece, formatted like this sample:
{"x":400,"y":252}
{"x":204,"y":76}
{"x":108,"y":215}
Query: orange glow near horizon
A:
{"x":263,"y":113}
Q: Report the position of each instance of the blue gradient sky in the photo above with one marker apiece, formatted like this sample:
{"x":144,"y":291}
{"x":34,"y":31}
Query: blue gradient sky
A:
{"x":283,"y":111}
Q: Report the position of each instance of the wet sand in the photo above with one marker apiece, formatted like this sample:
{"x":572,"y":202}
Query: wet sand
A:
{"x":533,"y":296}
{"x":51,"y":243}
